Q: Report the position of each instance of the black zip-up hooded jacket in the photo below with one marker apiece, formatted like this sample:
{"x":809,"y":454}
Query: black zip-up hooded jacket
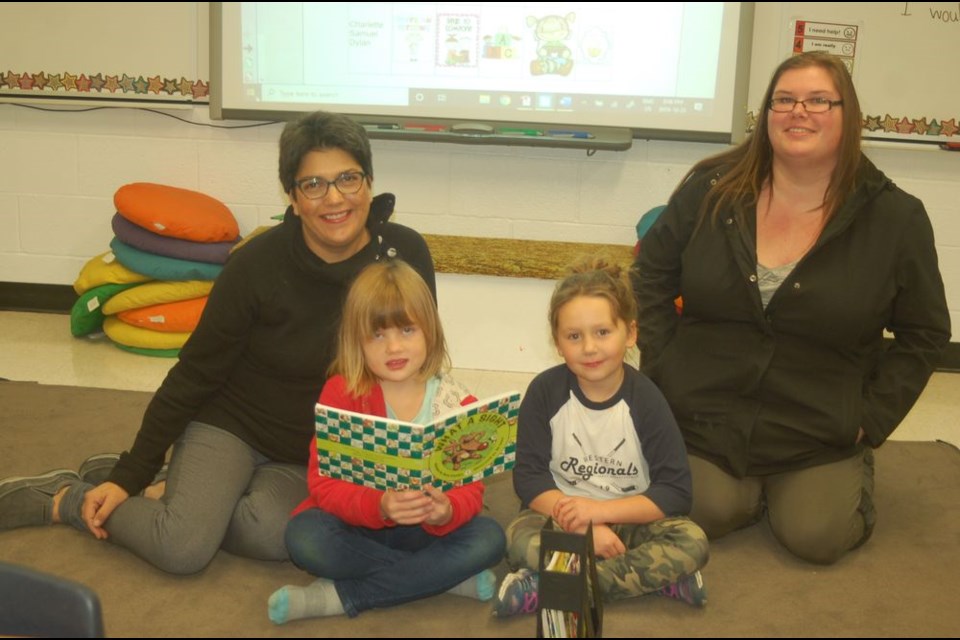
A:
{"x":760,"y":391}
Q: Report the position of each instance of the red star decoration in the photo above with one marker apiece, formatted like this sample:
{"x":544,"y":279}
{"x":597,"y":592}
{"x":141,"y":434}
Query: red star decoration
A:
{"x":155,"y":84}
{"x":889,"y":124}
{"x":69,"y":82}
{"x":111,"y":84}
{"x":921,"y":126}
{"x":200,"y":89}
{"x":904,"y":126}
{"x":40,"y":80}
{"x":25,"y":82}
{"x":83,"y":83}
{"x":872,"y":123}
{"x":949,"y":127}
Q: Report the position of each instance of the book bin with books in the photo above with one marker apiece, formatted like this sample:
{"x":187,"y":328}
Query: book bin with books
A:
{"x":568,"y":603}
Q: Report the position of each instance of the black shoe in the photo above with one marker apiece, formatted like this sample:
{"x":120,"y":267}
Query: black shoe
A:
{"x":96,"y":469}
{"x":28,"y":501}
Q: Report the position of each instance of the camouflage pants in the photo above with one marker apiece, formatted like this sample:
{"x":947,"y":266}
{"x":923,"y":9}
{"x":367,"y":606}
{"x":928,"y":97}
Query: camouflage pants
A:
{"x":658,"y":554}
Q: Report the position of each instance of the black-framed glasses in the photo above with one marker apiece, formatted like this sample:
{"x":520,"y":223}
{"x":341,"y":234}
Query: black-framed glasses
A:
{"x":347,"y":183}
{"x":810,"y":105}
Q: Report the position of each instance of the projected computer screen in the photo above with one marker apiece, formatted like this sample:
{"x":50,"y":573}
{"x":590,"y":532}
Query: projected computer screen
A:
{"x":653,"y":66}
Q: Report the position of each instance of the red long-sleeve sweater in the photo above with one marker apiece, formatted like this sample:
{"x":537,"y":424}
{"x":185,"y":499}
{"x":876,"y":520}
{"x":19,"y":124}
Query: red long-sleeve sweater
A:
{"x":358,"y":505}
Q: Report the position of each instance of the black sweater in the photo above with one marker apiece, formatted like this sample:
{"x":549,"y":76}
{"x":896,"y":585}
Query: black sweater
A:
{"x":258,"y":359}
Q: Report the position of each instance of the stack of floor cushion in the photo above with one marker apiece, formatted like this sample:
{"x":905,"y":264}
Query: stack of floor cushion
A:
{"x":148,"y":291}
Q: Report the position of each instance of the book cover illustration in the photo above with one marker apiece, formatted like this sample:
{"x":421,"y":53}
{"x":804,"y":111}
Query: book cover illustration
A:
{"x":475,"y":441}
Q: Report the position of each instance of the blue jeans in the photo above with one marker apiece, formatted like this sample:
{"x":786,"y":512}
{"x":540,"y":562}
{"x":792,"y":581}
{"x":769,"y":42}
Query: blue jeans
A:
{"x":385,"y":567}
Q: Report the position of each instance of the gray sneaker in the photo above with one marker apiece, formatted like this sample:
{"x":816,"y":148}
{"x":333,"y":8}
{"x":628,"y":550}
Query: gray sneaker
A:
{"x":28,"y":501}
{"x":96,"y":469}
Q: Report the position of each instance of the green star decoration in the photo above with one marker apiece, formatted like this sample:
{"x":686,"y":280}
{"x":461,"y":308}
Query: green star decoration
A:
{"x":126,"y":83}
{"x":55,"y":82}
{"x":949,"y":127}
{"x":140,"y":85}
{"x":934,"y":129}
{"x":170,"y":86}
{"x":96,"y":82}
{"x":872,"y":123}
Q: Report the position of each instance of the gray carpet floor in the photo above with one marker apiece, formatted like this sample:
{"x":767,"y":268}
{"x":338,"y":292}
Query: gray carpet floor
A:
{"x":903,"y":582}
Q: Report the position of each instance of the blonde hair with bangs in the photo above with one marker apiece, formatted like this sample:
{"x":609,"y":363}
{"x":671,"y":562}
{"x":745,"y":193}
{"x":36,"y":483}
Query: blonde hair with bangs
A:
{"x":386,"y":294}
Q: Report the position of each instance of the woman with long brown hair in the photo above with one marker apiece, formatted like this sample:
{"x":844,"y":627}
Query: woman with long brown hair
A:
{"x":793,"y":254}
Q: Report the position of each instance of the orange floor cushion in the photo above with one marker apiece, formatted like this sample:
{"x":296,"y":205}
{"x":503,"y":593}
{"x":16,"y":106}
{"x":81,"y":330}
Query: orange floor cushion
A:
{"x":177,"y":213}
{"x":180,"y":316}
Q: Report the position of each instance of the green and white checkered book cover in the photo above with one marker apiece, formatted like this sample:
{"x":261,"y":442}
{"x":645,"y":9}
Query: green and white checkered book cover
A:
{"x":478,"y":440}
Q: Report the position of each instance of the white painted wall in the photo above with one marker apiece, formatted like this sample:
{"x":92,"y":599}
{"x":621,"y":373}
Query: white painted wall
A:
{"x":58,"y":173}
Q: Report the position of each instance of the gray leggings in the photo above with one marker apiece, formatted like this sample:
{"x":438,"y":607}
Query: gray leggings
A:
{"x":220,"y":494}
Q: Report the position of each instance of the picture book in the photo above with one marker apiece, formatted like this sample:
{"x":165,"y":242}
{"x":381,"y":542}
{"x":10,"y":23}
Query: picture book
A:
{"x":470,"y":443}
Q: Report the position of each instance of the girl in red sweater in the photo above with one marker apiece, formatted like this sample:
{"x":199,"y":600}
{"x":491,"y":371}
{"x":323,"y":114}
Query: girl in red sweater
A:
{"x":372,"y":548}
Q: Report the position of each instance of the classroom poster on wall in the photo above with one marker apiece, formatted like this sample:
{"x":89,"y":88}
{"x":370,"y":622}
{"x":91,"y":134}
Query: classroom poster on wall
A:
{"x":902,"y":55}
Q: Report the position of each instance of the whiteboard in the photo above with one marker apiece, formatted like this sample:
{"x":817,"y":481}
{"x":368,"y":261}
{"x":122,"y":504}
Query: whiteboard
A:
{"x":144,"y":51}
{"x":904,"y":58}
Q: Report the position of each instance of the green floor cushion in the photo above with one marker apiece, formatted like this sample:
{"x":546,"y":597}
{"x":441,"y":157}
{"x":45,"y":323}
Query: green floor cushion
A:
{"x":105,"y":269}
{"x":123,"y":333}
{"x":180,"y":316}
{"x":162,"y":267}
{"x":152,"y":293}
{"x":140,"y":238}
{"x":86,"y":315}
{"x":177,"y":213}
{"x":156,"y":353}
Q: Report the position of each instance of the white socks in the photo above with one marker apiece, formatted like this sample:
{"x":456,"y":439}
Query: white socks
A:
{"x":313,"y":601}
{"x":320,"y":598}
{"x":479,"y":587}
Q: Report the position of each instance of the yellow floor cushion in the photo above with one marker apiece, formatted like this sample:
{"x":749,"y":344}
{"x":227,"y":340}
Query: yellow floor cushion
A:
{"x":123,"y":333}
{"x":156,"y":292}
